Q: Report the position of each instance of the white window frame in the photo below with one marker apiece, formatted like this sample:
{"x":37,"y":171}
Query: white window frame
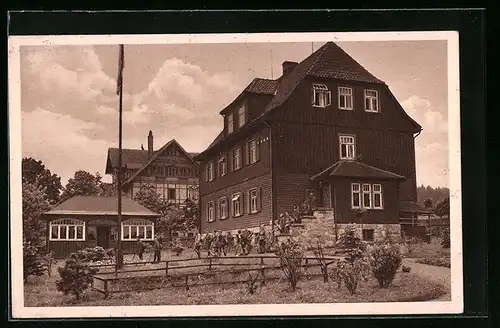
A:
{"x":136,"y":224}
{"x":253,"y":195}
{"x":230,"y":123}
{"x":366,"y":191}
{"x":344,"y":139}
{"x":67,"y":223}
{"x":222,"y":163}
{"x":223,"y":205}
{"x":210,"y":171}
{"x":242,"y":112}
{"x":373,"y":100}
{"x":210,"y":211}
{"x":355,"y":189}
{"x":324,"y":96}
{"x":238,"y":161}
{"x":253,"y":151}
{"x":379,"y":193}
{"x":347,"y":93}
{"x":237,"y":198}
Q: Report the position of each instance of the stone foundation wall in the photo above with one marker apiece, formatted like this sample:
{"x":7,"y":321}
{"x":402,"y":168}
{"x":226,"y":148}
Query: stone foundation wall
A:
{"x":380,"y":231}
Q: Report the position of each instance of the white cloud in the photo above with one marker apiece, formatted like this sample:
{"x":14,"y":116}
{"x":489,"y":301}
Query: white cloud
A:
{"x":431,"y":146}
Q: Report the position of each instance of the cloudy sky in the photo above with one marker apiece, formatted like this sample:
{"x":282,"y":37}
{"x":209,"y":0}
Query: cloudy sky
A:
{"x":70,"y":107}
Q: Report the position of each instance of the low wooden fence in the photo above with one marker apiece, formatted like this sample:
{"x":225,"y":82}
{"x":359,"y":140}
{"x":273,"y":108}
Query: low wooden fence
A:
{"x":170,"y":274}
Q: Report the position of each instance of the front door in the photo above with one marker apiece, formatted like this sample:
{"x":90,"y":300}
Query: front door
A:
{"x":103,"y":237}
{"x":326,"y":200}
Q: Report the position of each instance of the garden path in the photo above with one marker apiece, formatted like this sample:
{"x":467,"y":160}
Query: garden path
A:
{"x":440,"y":275}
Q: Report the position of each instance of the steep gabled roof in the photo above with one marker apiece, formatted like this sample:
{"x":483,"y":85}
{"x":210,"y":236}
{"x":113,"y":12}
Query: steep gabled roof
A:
{"x":355,"y":169}
{"x":257,"y":86}
{"x":329,"y":61}
{"x":155,"y":156}
{"x":99,"y":205}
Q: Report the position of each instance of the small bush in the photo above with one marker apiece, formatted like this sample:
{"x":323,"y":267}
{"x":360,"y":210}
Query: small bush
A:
{"x":33,"y":261}
{"x":93,"y":254}
{"x":76,"y":276}
{"x":252,"y":282}
{"x":291,"y":254}
{"x":350,"y":239}
{"x":385,"y":261}
{"x":406,"y":269}
{"x":445,"y":238}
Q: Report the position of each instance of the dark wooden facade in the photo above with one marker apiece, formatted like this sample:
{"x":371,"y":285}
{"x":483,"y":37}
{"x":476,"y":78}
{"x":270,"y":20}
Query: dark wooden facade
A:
{"x":303,"y":140}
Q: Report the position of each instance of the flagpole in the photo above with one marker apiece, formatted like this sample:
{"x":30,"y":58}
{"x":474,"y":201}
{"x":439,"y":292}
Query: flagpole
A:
{"x":119,"y":251}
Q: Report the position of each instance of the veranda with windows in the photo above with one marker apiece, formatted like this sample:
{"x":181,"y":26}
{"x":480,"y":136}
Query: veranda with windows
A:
{"x":89,"y":221}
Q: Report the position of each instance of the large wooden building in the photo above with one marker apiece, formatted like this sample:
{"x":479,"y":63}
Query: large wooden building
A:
{"x":170,"y":169}
{"x":327,"y":127}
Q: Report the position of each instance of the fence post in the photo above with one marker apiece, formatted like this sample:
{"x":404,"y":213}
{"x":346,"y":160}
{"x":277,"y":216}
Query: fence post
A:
{"x":166,"y":268}
{"x":209,"y":263}
{"x":262,"y":260}
{"x":187,"y":282}
{"x":262,"y":272}
{"x":106,"y":289}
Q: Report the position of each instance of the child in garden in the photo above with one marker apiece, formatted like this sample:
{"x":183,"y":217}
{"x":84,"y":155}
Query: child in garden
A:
{"x":140,"y":248}
{"x":157,"y":247}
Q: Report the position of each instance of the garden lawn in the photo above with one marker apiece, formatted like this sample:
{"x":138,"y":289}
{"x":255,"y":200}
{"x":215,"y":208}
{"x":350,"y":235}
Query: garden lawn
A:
{"x":432,"y":250}
{"x":407,"y":287}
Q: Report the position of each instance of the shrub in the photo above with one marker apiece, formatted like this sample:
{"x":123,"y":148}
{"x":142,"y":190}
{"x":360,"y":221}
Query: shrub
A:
{"x":410,"y":243}
{"x":445,"y":238}
{"x":93,"y":254}
{"x":406,"y":269}
{"x":385,"y":261}
{"x":33,"y":261}
{"x":350,"y":239}
{"x":76,"y":276}
{"x":252,"y":282}
{"x":49,"y":260}
{"x":290,"y":255}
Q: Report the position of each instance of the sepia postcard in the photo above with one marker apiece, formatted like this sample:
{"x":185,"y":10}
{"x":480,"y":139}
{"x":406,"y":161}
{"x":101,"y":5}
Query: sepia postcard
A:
{"x":278,"y":174}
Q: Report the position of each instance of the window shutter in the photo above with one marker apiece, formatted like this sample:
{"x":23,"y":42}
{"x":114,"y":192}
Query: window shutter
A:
{"x":259,"y":200}
{"x":247,"y":153}
{"x":258,"y":141}
{"x":249,"y":207}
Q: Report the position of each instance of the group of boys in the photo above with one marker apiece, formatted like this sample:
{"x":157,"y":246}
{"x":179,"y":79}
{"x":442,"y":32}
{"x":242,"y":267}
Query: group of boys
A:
{"x":157,"y":247}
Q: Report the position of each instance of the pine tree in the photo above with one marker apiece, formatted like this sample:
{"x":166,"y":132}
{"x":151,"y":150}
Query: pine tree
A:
{"x":76,"y":276}
{"x":33,"y":262}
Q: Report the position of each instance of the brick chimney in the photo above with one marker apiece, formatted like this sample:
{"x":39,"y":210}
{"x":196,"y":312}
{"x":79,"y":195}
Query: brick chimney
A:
{"x":150,"y":143}
{"x":288,"y":66}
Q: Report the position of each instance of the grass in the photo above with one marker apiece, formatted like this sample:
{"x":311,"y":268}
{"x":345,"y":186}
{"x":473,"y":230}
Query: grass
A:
{"x":41,"y":291}
{"x":441,"y":262}
{"x":430,"y":251}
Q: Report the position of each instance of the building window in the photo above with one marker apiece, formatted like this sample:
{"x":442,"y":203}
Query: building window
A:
{"x":210,"y":171}
{"x":137,"y":228}
{"x":253,"y":151}
{"x":223,"y":208}
{"x":190,"y":234}
{"x":345,"y":98}
{"x":236,"y":159}
{"x":230,"y":123}
{"x":367,"y":196}
{"x":322,"y":97}
{"x":67,"y":229}
{"x":237,"y":205}
{"x":368,"y":234}
{"x":210,"y":212}
{"x":355,"y":195}
{"x":241,"y":115}
{"x":254,"y":200}
{"x":347,"y":147}
{"x":377,"y":196}
{"x":371,"y":101}
{"x":222,"y":165}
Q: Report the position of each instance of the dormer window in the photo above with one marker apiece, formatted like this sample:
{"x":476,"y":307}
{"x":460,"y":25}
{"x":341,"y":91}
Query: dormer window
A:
{"x":345,"y":98}
{"x":347,"y":147}
{"x":230,"y":123}
{"x":322,"y":97}
{"x":371,"y":101}
{"x":241,"y":116}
